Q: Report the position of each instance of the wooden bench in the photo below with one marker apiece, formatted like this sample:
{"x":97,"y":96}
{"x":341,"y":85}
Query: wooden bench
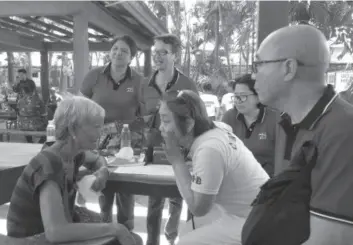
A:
{"x":8,"y":132}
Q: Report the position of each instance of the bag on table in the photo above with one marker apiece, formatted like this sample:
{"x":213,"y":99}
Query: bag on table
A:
{"x":281,"y":211}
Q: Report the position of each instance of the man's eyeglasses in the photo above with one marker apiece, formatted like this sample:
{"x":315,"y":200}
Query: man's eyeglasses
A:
{"x":240,"y":98}
{"x":160,"y":53}
{"x":256,"y":64}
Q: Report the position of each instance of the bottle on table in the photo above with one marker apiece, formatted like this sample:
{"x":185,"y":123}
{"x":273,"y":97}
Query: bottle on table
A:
{"x":51,"y":131}
{"x":125,"y":136}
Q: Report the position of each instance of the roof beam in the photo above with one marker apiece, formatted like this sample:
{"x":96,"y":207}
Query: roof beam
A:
{"x":101,"y":17}
{"x":10,"y":48}
{"x":70,"y":26}
{"x":67,"y":47}
{"x":12,"y":39}
{"x":39,"y":8}
{"x":48,"y":26}
{"x":144,"y":15}
{"x":36,"y":29}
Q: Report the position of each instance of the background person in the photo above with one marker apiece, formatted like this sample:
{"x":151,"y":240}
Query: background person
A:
{"x":43,"y":198}
{"x":290,"y":75}
{"x":32,"y":112}
{"x":117,"y":88}
{"x":211,"y":101}
{"x":167,"y":78}
{"x":253,"y":123}
{"x":225,"y":177}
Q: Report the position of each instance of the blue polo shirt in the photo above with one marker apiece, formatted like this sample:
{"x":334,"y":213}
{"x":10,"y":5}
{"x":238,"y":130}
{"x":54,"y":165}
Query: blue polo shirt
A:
{"x":122,"y":100}
{"x":259,"y":137}
{"x":329,"y":126}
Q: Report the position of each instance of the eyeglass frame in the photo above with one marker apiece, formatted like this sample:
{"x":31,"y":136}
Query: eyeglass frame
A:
{"x":236,"y":99}
{"x":159,"y":54}
{"x":261,"y":62}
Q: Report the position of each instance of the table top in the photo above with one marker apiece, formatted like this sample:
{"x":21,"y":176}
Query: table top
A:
{"x":148,"y":174}
{"x":40,"y":240}
{"x":17,"y":154}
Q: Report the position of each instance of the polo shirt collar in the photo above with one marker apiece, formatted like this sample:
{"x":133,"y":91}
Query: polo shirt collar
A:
{"x":321,"y":107}
{"x":152,"y":82}
{"x":107,"y":67}
{"x":260,"y":117}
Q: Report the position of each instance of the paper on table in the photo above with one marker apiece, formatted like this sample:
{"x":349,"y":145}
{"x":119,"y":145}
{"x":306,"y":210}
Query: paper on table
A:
{"x":84,"y":187}
{"x":152,"y":170}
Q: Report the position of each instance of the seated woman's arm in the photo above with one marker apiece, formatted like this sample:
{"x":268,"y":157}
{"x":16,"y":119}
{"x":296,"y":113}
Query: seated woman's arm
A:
{"x":58,"y":229}
{"x":96,"y":163}
{"x":200,"y":189}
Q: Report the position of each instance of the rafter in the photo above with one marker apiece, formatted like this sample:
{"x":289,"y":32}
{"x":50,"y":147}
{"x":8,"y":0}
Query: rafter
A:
{"x":24,"y":30}
{"x":48,"y":26}
{"x":70,"y":26}
{"x":47,"y":33}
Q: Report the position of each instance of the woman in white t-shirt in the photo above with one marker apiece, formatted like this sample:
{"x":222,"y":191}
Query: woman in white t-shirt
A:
{"x":225,"y":176}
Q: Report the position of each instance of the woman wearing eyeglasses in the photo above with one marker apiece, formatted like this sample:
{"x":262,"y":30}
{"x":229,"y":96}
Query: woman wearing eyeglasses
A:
{"x":253,"y":123}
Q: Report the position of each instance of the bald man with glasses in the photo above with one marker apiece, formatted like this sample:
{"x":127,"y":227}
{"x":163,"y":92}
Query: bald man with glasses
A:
{"x":290,"y":71}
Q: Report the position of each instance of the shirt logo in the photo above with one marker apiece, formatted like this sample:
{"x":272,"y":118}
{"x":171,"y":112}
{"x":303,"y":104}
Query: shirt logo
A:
{"x":130,"y":90}
{"x":262,"y":136}
{"x":196,"y":179}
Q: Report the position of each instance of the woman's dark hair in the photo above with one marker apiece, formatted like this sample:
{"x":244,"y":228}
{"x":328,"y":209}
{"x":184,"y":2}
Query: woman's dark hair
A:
{"x":246,"y":80}
{"x":129,"y":41}
{"x":186,"y":104}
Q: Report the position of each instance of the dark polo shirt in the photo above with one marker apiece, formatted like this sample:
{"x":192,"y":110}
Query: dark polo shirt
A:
{"x":152,"y":93}
{"x":121,"y":100}
{"x":259,"y":137}
{"x":329,"y":125}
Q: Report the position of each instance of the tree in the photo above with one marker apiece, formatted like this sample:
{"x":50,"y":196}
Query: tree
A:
{"x":333,"y":18}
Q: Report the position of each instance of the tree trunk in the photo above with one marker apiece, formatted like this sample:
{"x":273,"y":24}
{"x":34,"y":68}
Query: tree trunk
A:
{"x":10,"y":67}
{"x":29,"y":64}
{"x":226,"y":48}
{"x":177,"y":26}
{"x":247,"y":57}
{"x":240,"y":57}
{"x":138,"y":66}
{"x":217,"y":37}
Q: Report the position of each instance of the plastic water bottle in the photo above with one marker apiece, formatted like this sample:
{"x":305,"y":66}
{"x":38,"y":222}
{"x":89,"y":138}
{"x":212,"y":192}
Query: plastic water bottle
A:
{"x":125,"y":136}
{"x":51,"y":131}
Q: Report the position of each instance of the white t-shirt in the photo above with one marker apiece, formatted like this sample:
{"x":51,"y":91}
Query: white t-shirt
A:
{"x":211,"y":103}
{"x":227,"y":101}
{"x":222,"y":165}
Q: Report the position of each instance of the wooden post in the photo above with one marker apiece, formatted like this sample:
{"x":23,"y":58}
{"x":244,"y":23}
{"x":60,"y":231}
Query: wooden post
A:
{"x":272,"y":16}
{"x":44,"y":75}
{"x":81,"y":50}
{"x":147,"y":67}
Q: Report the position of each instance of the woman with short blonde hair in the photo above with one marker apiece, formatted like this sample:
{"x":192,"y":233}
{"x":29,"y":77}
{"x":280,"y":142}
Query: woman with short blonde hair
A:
{"x":43,"y":199}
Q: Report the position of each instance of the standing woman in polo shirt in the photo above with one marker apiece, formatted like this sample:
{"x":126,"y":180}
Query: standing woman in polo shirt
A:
{"x":117,"y":88}
{"x":253,"y":123}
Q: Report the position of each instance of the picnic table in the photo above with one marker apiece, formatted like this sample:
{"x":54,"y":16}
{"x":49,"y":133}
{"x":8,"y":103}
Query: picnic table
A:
{"x":154,"y":179}
{"x":41,"y":240}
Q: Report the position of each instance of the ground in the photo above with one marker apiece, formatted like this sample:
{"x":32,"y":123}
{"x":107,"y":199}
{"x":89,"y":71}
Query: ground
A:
{"x":140,"y":210}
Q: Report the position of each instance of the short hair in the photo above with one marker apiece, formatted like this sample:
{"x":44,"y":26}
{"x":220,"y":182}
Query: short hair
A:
{"x":171,"y":39}
{"x":129,"y":41}
{"x":246,"y":80}
{"x":207,"y":86}
{"x":22,"y":71}
{"x":74,"y":112}
{"x":184,"y":105}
